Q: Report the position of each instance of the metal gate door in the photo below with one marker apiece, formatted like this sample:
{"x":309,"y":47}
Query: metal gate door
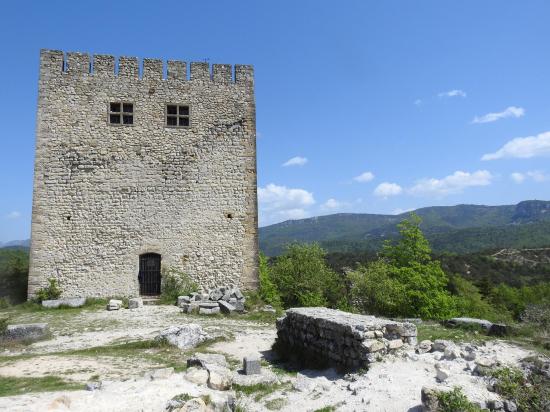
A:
{"x":149,"y":274}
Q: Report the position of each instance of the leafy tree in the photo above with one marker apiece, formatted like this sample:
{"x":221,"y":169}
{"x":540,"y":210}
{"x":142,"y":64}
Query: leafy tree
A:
{"x":268,"y":291}
{"x":303,"y":277}
{"x":470,"y":302}
{"x":407,"y":276}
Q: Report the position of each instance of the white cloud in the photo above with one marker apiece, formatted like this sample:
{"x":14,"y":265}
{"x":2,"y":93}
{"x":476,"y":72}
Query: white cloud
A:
{"x":295,"y":161}
{"x":535,"y":175}
{"x":13,"y":215}
{"x":511,"y":111}
{"x":364,"y":177}
{"x":523,"y":147}
{"x":387,"y":189}
{"x":417,"y":102}
{"x":454,"y":183}
{"x":333,"y":204}
{"x":277,"y":203}
{"x":453,"y":93}
{"x":400,"y":211}
{"x":517,"y":177}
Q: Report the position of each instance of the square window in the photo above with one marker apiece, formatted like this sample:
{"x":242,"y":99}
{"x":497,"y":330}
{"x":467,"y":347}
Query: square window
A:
{"x":177,"y":115}
{"x":121,"y":113}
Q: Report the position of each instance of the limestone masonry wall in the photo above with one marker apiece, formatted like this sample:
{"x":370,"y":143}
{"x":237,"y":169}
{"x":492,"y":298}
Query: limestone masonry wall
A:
{"x":341,"y":338}
{"x":105,"y":194}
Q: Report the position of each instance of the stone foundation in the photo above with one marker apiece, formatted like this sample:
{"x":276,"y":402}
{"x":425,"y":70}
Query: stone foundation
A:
{"x":340,"y":338}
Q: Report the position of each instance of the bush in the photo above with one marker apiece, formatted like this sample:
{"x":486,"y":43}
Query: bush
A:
{"x":303,"y":278}
{"x":469,"y":301}
{"x":267,"y":290}
{"x":52,"y":291}
{"x":175,"y":283}
{"x":454,"y":401}
{"x":404,"y":281}
{"x":530,"y":393}
{"x":538,"y":314}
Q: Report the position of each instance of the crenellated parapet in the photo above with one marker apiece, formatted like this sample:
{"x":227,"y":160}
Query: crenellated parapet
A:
{"x":53,"y":62}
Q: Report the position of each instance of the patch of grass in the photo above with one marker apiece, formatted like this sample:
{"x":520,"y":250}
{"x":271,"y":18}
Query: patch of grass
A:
{"x":455,"y":400}
{"x":275,"y":404}
{"x":530,"y":393}
{"x":433,"y":331}
{"x":259,"y":390}
{"x":259,"y":316}
{"x":326,"y":409}
{"x":10,"y":386}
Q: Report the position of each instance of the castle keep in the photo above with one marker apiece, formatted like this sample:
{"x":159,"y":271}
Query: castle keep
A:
{"x":138,"y":169}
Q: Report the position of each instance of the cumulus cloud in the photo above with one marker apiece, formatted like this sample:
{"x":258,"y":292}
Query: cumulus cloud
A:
{"x":511,"y":111}
{"x":387,"y":189}
{"x":277,"y":203}
{"x":453,"y":93}
{"x":523,"y":148}
{"x":454,"y":183}
{"x":364,"y":177}
{"x":295,"y":161}
{"x":333,"y":204}
{"x":13,"y":215}
{"x":534,"y":175}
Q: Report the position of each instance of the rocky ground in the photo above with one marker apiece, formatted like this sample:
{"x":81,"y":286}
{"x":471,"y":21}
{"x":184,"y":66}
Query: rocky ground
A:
{"x":112,"y":351}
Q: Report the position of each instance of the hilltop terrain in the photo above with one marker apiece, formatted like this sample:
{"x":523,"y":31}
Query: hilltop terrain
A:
{"x":456,"y":229}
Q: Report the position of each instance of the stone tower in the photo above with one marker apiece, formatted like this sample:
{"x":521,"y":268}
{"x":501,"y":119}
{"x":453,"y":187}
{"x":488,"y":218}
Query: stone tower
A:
{"x":138,"y":169}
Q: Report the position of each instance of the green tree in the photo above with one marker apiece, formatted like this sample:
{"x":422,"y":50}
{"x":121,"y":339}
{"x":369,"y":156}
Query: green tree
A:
{"x":268,"y":291}
{"x":303,"y":277}
{"x":470,"y":302}
{"x":406,"y":274}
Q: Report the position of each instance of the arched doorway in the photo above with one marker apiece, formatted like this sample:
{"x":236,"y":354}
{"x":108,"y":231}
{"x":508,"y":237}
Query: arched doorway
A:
{"x":149,"y":274}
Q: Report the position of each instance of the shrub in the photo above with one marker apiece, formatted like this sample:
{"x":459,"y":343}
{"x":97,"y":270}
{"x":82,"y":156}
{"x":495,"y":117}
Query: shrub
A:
{"x":52,"y":291}
{"x":3,"y":325}
{"x":175,"y":283}
{"x":404,"y":281}
{"x":470,"y":302}
{"x":303,"y":278}
{"x":538,"y":314}
{"x":454,"y":401}
{"x":268,"y":291}
{"x":530,"y":392}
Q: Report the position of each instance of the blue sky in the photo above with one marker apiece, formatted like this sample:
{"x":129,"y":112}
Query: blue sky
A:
{"x":383,"y":106}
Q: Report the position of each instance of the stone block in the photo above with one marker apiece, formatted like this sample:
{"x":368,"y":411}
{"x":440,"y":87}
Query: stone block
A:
{"x":208,"y":305}
{"x":252,"y":365}
{"x":182,"y":300}
{"x":395,"y":344}
{"x":25,"y":332}
{"x":198,"y":376}
{"x":239,"y":306}
{"x":207,"y":311}
{"x":135,"y":303}
{"x":226,"y":307}
{"x":184,"y":336}
{"x":70,"y":302}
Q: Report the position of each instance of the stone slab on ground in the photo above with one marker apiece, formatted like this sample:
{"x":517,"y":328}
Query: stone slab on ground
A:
{"x":70,"y":302}
{"x":226,"y":308}
{"x":183,"y":336}
{"x":338,"y":337}
{"x":25,"y":332}
{"x":135,"y":303}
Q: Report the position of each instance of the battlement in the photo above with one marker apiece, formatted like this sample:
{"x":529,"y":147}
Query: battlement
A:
{"x":54,"y":62}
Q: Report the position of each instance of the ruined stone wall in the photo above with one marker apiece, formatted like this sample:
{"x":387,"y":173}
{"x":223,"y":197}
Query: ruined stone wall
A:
{"x":340,"y":338}
{"x":104,"y":194}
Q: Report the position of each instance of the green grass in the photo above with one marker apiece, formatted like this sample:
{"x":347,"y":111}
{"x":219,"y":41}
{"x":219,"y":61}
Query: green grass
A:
{"x":433,"y":331}
{"x":326,"y":409}
{"x":275,"y":404}
{"x":10,"y":386}
{"x":455,"y":400}
{"x":259,"y":390}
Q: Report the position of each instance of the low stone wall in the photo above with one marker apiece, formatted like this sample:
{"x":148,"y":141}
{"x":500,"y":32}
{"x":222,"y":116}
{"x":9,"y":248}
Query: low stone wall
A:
{"x":340,"y":338}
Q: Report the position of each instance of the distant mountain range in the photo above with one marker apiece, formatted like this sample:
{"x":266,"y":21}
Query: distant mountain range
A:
{"x":16,"y":243}
{"x":458,"y":229}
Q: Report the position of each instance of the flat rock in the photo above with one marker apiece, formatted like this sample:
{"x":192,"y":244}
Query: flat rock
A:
{"x":70,"y":302}
{"x":209,"y":305}
{"x":219,"y":378}
{"x":198,"y":376}
{"x":26,"y":332}
{"x":204,"y":359}
{"x":206,"y":311}
{"x":264,"y":377}
{"x":135,"y":303}
{"x":183,"y":336}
